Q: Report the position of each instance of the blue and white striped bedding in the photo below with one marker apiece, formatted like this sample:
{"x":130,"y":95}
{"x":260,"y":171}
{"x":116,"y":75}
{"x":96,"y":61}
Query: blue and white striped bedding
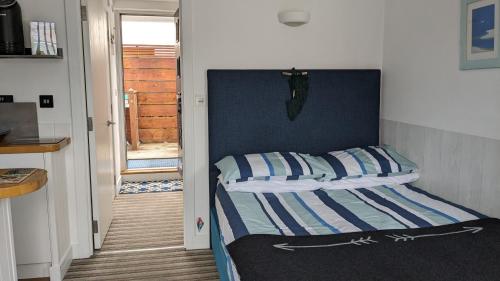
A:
{"x":374,"y":161}
{"x":323,"y":212}
{"x":267,"y":166}
{"x":379,"y":161}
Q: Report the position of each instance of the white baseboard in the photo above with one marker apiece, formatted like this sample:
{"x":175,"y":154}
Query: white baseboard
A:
{"x":66,"y":261}
{"x":81,"y":253}
{"x":118,"y":184}
{"x":28,"y":271}
{"x":57,"y":271}
{"x":199,"y":243}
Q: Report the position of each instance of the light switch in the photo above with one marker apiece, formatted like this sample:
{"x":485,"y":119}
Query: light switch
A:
{"x":46,"y":101}
{"x":6,"y":99}
{"x":199,"y":100}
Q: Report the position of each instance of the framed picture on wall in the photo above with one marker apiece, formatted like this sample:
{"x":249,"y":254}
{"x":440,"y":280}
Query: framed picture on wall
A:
{"x":480,"y":34}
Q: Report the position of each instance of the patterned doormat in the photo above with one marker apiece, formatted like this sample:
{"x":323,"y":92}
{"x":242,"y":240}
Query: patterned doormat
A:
{"x":151,"y":186}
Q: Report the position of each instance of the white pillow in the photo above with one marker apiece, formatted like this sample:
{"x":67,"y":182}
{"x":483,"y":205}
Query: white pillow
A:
{"x":271,"y":186}
{"x":280,"y":186}
{"x":365,"y":182}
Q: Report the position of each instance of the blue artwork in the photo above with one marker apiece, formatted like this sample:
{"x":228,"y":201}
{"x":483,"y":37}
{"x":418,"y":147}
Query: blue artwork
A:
{"x":483,"y":29}
{"x":479,"y":45}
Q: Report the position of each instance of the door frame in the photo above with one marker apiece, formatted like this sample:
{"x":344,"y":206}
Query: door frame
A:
{"x":119,"y":69}
{"x":195,"y":136}
{"x":192,"y":238}
{"x":121,"y":101}
{"x":82,"y":237}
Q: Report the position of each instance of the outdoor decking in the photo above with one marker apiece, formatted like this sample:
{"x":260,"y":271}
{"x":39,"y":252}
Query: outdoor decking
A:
{"x":154,"y":151}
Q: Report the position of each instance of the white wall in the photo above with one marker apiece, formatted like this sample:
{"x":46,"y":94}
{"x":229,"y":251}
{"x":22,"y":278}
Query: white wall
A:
{"x":444,"y":119}
{"x":26,"y":79}
{"x":246,"y":34}
{"x":422,"y":81}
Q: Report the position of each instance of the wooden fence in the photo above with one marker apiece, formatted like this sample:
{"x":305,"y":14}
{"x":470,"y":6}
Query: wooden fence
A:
{"x":149,"y":79}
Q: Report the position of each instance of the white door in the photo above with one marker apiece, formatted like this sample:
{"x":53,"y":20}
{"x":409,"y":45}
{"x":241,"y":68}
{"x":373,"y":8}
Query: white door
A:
{"x":95,"y":37}
{"x":178,"y":56}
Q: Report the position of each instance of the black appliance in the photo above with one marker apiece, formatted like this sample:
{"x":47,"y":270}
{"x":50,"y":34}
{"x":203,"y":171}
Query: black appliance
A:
{"x":3,"y":133}
{"x":11,"y":28}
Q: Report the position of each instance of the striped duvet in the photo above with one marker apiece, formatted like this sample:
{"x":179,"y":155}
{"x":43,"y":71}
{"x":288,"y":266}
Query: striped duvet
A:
{"x":323,"y":212}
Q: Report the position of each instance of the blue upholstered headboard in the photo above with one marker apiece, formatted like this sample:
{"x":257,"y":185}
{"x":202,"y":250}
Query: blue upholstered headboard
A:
{"x":247,"y":113}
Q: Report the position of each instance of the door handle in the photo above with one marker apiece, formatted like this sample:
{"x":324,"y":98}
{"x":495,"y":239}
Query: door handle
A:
{"x":110,"y":123}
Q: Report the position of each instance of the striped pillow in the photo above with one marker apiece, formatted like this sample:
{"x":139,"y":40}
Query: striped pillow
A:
{"x":269,"y":166}
{"x":379,"y":161}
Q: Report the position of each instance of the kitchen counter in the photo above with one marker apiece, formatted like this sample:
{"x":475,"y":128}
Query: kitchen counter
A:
{"x":34,"y":182}
{"x":34,"y":146}
{"x":31,"y":184}
{"x":39,"y":220}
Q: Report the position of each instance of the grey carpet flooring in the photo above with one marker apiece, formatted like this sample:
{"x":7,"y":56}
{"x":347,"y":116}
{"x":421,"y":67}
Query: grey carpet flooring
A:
{"x":143,"y":222}
{"x":147,"y":220}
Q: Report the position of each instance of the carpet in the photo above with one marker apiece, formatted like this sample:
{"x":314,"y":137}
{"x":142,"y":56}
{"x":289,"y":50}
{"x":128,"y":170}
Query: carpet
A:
{"x":141,"y":223}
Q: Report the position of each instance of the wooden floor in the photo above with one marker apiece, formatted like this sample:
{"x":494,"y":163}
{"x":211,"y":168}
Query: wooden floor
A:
{"x":145,"y":243}
{"x":154,"y":150}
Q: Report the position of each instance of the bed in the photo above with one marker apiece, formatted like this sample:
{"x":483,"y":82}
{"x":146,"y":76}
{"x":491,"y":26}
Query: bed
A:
{"x":386,"y":232}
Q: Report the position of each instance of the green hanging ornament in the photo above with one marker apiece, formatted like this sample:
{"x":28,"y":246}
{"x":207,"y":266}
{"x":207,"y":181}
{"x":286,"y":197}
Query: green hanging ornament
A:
{"x":299,"y":87}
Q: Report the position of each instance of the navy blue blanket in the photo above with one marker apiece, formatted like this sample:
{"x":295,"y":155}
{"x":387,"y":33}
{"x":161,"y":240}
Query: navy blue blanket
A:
{"x":459,"y":252}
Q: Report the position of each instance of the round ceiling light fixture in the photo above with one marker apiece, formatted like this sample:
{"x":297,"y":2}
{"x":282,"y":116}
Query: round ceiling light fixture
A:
{"x":294,"y":18}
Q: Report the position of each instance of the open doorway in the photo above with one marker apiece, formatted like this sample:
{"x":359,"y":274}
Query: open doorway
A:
{"x":149,"y":83}
{"x":150,"y":192}
{"x":139,"y":67}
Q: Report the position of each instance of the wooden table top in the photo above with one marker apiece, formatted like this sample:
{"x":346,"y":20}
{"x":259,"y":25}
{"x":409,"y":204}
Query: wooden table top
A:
{"x":33,"y":183}
{"x":33,"y":148}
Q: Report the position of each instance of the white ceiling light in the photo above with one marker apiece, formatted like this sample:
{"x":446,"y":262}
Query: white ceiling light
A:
{"x":294,"y":18}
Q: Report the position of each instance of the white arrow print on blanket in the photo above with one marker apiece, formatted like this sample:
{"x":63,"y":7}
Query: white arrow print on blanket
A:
{"x":405,"y":237}
{"x":359,"y":242}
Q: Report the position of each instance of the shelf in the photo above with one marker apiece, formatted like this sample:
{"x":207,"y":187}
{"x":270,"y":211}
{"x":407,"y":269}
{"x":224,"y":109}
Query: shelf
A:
{"x":29,"y":56}
{"x":19,"y":148}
